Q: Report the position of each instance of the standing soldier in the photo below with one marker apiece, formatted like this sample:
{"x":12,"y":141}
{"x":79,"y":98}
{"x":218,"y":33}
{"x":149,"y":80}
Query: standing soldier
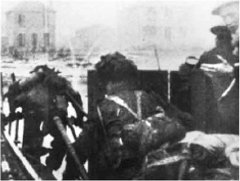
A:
{"x":224,"y":73}
{"x":42,"y":97}
{"x":218,"y":64}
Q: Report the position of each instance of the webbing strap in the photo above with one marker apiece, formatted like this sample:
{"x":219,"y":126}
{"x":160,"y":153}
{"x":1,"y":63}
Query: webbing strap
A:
{"x":122,"y":103}
{"x":139,"y":103}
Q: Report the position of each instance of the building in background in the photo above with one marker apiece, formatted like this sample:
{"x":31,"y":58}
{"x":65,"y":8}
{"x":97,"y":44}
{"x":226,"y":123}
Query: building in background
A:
{"x":94,"y":39}
{"x":4,"y":45}
{"x":30,"y":27}
{"x":163,"y":25}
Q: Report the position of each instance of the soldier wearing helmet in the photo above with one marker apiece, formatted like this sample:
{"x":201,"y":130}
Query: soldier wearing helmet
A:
{"x":130,"y":123}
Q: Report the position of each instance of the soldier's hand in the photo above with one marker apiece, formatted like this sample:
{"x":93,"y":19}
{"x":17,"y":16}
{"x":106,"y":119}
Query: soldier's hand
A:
{"x":217,"y":69}
{"x":77,"y":122}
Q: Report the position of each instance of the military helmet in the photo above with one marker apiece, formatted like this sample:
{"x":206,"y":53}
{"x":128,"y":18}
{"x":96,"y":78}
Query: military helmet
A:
{"x":116,"y":67}
{"x":222,"y":32}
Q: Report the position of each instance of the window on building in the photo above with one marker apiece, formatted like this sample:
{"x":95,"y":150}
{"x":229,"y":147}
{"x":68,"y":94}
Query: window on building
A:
{"x":168,"y":33}
{"x":21,"y":20}
{"x":46,"y":39}
{"x":167,"y":12}
{"x":149,"y":31}
{"x":21,"y":40}
{"x":151,"y":15}
{"x":34,"y":40}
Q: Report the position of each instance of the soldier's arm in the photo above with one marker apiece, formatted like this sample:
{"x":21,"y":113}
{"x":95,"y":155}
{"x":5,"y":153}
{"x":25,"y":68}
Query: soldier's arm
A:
{"x":76,"y":100}
{"x":172,"y":111}
{"x":83,"y":146}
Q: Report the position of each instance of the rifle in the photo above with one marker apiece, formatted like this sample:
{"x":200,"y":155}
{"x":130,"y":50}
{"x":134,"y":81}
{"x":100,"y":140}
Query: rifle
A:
{"x":70,"y":148}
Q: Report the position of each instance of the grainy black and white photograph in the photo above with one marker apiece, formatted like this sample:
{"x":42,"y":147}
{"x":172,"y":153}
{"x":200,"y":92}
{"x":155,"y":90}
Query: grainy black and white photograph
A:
{"x":119,"y":90}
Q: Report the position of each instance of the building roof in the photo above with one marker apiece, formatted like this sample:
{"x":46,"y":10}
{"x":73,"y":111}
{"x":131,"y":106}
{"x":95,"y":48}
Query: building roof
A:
{"x":31,"y":6}
{"x":232,"y":6}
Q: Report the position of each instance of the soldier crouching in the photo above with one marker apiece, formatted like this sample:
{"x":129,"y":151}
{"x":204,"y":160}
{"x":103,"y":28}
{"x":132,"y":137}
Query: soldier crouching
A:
{"x":130,"y":123}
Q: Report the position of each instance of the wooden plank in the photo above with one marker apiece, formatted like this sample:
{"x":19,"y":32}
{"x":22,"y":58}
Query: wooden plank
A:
{"x":227,"y":109}
{"x":156,"y":81}
{"x":204,"y":103}
{"x":180,"y":92}
{"x":19,"y":167}
{"x":198,"y":99}
{"x":95,"y":92}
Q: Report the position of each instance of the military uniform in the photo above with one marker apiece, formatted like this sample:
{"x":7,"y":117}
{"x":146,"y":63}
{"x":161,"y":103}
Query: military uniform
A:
{"x":119,"y":152}
{"x":116,"y":142}
{"x":226,"y":110}
{"x":58,"y":97}
{"x":42,"y":97}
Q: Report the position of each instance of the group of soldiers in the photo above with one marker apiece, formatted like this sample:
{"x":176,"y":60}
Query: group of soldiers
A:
{"x":135,"y":133}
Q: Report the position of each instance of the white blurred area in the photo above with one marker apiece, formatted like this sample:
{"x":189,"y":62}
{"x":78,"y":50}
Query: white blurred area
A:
{"x":176,"y":28}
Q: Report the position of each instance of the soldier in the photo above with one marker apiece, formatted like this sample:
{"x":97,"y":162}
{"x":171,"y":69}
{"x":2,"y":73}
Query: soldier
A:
{"x":218,"y":64}
{"x":229,"y":12}
{"x":42,"y":96}
{"x":130,"y":123}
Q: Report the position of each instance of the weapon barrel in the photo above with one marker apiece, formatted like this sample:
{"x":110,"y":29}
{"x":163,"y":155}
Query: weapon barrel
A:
{"x":70,"y":148}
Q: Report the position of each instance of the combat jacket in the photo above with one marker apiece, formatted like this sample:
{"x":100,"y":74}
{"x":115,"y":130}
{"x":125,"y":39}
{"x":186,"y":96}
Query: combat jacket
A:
{"x":127,"y":128}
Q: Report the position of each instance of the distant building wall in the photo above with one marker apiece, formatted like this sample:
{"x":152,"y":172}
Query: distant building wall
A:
{"x":31,"y":29}
{"x":150,"y":24}
{"x":94,"y":39}
{"x":4,"y":45}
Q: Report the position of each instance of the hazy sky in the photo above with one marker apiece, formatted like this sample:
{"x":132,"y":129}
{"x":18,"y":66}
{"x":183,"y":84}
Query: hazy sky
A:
{"x":74,"y":14}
